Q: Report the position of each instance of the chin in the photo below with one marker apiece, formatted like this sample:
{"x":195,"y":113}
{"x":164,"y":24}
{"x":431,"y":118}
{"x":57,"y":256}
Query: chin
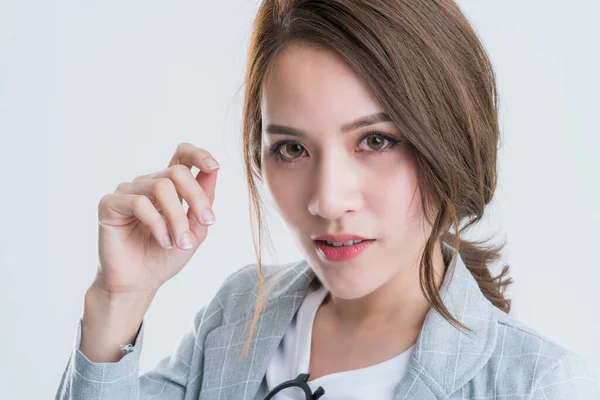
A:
{"x":344,"y":283}
{"x":352,"y":292}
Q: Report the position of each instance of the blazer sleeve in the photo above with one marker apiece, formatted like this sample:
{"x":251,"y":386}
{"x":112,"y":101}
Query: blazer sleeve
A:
{"x":571,"y":378}
{"x":169,"y":379}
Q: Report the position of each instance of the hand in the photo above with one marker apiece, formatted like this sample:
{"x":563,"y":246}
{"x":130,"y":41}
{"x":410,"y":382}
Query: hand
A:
{"x":136,"y":221}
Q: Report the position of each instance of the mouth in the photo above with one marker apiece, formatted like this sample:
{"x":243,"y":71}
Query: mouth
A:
{"x":342,"y":251}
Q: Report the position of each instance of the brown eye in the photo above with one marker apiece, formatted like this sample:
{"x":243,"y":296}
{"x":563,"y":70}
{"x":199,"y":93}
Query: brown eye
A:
{"x":293,"y":150}
{"x":375,"y":142}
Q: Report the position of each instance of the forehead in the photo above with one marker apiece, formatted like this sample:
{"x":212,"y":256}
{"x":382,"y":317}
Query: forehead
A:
{"x":313,"y":87}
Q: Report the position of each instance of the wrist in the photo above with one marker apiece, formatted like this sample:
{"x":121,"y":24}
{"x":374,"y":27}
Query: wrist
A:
{"x":98,"y":295}
{"x":115,"y":310}
{"x":110,"y":321}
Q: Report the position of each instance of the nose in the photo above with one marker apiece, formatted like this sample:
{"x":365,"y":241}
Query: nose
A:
{"x":335,"y":188}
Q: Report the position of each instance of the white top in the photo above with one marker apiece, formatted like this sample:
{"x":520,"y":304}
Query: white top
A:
{"x":293,"y":355}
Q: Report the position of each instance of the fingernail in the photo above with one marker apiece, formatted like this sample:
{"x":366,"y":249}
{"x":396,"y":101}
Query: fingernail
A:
{"x":185,"y":241}
{"x":211,"y":163}
{"x":208,"y":216}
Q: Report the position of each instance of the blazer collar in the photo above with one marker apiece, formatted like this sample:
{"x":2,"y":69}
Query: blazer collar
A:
{"x":445,"y":358}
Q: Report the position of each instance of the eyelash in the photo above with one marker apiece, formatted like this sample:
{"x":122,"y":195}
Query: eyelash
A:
{"x":274,"y":150}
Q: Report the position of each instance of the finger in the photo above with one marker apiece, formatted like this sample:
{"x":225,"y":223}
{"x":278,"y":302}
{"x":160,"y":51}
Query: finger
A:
{"x":192,"y":192}
{"x":195,"y":226}
{"x":208,"y":182}
{"x":187,"y":188}
{"x":190,"y":155}
{"x":139,"y":206}
{"x":165,"y":193}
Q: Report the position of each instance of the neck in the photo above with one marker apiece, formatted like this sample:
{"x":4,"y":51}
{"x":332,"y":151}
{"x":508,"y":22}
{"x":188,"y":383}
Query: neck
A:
{"x":399,"y":302}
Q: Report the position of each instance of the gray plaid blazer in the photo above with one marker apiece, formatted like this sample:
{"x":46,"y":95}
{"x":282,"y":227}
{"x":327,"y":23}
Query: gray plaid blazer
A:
{"x":502,"y":359}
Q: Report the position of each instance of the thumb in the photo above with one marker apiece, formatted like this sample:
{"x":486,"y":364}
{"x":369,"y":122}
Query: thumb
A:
{"x":208,"y":182}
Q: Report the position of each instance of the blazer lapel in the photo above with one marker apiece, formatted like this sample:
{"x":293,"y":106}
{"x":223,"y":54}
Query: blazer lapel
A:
{"x":445,"y":358}
{"x":228,"y":377}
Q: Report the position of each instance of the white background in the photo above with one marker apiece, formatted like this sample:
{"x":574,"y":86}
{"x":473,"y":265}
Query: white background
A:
{"x":95,"y":93}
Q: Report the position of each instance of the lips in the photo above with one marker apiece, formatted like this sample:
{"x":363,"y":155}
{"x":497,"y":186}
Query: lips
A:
{"x":342,"y":253}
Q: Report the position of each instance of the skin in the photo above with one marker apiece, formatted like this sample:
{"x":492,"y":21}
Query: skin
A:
{"x":343,"y":181}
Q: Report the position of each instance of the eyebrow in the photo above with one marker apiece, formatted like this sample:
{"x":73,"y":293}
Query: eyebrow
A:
{"x":359,"y":123}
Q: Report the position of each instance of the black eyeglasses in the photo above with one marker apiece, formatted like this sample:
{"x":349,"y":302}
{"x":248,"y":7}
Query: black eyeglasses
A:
{"x":300,"y":382}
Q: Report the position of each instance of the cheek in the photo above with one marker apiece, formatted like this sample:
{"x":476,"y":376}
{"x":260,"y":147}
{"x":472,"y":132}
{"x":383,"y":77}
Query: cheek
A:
{"x":393,"y":191}
{"x":285,"y":190}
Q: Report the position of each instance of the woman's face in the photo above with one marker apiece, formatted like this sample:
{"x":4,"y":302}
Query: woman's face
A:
{"x":330,"y":176}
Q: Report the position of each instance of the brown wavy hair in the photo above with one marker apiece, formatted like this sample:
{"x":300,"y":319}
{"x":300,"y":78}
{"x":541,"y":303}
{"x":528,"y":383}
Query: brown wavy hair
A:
{"x":427,"y":67}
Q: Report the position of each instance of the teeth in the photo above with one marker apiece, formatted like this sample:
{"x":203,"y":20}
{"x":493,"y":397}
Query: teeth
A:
{"x":340,"y":244}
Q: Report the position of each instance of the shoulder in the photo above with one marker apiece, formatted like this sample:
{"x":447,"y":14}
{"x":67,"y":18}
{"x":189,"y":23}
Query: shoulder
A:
{"x":529,"y":362}
{"x":238,"y":294}
{"x":248,"y":278}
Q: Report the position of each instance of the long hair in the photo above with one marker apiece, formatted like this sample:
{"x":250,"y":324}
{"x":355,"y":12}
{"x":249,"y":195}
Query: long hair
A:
{"x":426,"y":66}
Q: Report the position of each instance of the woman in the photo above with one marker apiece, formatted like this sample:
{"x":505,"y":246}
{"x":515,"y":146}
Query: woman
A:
{"x":374,"y":126}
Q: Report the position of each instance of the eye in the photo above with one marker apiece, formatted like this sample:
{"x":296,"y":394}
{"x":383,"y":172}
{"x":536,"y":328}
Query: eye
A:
{"x":287,"y":151}
{"x":376,"y":142}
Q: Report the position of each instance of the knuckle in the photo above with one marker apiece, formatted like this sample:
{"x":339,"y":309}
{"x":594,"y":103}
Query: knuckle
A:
{"x":139,"y":178}
{"x":162,"y":185}
{"x":182,"y":146}
{"x":102,"y":201}
{"x":140,"y":202}
{"x":120,"y":187}
{"x":179,"y":172}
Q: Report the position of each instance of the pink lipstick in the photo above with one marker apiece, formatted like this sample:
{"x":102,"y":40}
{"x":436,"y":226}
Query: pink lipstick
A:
{"x":341,"y":247}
